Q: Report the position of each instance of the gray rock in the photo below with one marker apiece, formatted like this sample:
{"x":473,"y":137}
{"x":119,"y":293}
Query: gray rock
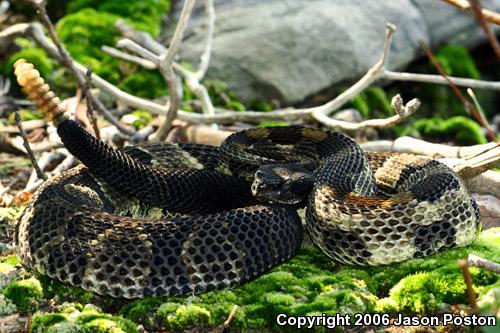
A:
{"x":291,"y":49}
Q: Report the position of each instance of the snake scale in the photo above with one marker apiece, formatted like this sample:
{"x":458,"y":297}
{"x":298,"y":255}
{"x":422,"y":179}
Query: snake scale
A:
{"x":170,"y":219}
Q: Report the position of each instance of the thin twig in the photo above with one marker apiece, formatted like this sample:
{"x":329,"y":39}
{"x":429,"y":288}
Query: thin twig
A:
{"x":140,"y":37}
{"x":128,"y":57}
{"x":469,"y":107}
{"x":403,"y":112}
{"x":437,"y":79}
{"x":66,"y":60}
{"x":468,"y":282}
{"x":205,"y":57}
{"x":479,"y":109}
{"x":222,"y":116}
{"x":165,"y":65}
{"x":231,"y":316}
{"x":489,"y":15}
{"x":491,"y":266}
{"x":492,"y":39}
{"x":90,"y":109}
{"x":28,"y":148}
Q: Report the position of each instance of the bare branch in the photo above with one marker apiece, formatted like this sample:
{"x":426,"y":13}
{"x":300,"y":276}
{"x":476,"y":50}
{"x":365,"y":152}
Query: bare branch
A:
{"x":492,"y":39}
{"x":489,"y":15}
{"x":479,"y":110}
{"x":437,"y":79}
{"x":222,"y":116}
{"x":128,"y":57}
{"x":408,"y":145}
{"x":140,"y":37}
{"x":136,"y":48}
{"x":205,"y":57}
{"x":68,"y":62}
{"x":491,"y":266}
{"x":231,"y":316}
{"x":90,"y":110}
{"x":402,"y":112}
{"x":28,"y":148}
{"x":165,"y":64}
{"x":464,"y":265}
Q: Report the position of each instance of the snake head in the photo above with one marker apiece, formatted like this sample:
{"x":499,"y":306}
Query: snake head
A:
{"x":284,"y":183}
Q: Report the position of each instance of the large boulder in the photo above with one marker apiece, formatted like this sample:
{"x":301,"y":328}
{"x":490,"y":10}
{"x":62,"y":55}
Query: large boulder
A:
{"x":290,"y":49}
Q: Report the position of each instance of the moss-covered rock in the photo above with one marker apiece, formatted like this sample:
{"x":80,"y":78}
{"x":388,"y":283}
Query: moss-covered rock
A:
{"x":95,"y":322}
{"x":25,"y":294}
{"x":184,"y":316}
{"x":144,"y":311}
{"x":308,"y":284}
{"x":6,"y":306}
{"x":42,"y":321}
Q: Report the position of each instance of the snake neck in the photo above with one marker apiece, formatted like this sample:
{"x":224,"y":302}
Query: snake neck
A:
{"x":171,"y":189}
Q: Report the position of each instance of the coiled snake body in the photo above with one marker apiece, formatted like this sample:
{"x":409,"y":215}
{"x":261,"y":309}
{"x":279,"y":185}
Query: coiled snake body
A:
{"x":173,"y":219}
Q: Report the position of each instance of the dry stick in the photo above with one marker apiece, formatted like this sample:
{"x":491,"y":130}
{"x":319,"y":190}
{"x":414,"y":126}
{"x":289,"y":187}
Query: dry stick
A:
{"x":479,"y":109}
{"x":437,"y":79}
{"x":69,"y":63}
{"x":402,"y":112}
{"x":469,"y":107}
{"x":165,"y":65}
{"x":492,"y":39}
{"x":28,"y":148}
{"x":225,"y":116}
{"x":128,"y":57}
{"x":35,"y":31}
{"x":231,"y":316}
{"x":321,"y":112}
{"x":468,"y":282}
{"x":491,"y":266}
{"x":140,"y":37}
{"x":90,"y":110}
{"x":489,"y":15}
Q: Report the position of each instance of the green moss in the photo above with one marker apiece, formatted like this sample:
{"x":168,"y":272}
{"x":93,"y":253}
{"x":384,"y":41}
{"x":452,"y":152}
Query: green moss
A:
{"x":4,"y":267}
{"x":259,"y":105}
{"x":90,"y":25}
{"x":220,"y":95}
{"x":25,"y":294}
{"x":143,"y":118}
{"x":461,"y":129}
{"x":372,"y":102}
{"x":148,"y":84}
{"x":166,"y":311}
{"x":457,"y":61}
{"x":85,"y":31}
{"x":273,"y":123}
{"x":94,"y":322}
{"x":179,"y":317}
{"x":42,"y":321}
{"x":35,"y":55}
{"x":416,"y":293}
{"x":141,"y":311}
{"x":146,"y":15}
{"x":63,"y":292}
{"x":65,"y":327}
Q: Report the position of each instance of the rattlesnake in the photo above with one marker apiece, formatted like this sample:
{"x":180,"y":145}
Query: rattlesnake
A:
{"x":169,"y":219}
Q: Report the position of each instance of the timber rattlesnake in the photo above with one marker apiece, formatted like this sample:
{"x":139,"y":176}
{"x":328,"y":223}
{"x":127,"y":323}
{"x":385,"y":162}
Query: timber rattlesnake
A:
{"x":173,"y":219}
